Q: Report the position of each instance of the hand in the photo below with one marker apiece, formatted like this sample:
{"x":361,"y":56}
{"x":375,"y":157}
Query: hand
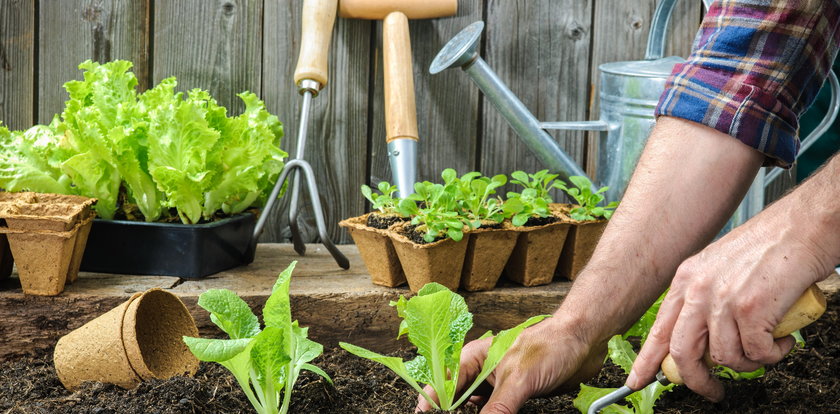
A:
{"x":726,"y":300}
{"x":543,"y":358}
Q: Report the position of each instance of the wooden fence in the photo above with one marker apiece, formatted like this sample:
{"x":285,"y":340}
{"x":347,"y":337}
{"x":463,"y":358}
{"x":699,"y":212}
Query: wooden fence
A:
{"x":547,"y":51}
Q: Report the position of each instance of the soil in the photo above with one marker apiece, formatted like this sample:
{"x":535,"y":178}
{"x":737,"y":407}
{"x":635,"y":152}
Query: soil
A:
{"x":540,"y":221}
{"x":805,"y":382}
{"x":382,"y":222}
{"x":417,"y":236}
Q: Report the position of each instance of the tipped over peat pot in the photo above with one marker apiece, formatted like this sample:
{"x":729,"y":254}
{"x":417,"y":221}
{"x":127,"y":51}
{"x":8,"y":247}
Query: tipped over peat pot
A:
{"x":377,"y":251}
{"x":170,"y":249}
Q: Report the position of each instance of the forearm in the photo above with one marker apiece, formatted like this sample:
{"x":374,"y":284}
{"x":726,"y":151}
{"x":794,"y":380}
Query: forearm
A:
{"x":688,"y":182}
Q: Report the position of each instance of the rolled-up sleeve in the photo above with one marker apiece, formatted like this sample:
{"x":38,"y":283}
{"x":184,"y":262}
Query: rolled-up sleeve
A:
{"x":756,"y":66}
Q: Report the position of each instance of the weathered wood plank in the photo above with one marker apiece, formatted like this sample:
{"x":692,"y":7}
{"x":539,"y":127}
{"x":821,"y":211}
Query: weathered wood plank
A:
{"x":71,"y":31}
{"x":447,"y":104}
{"x":338,"y":305}
{"x":17,"y":63}
{"x":337,"y":130}
{"x":541,"y":50}
{"x":212,"y":45}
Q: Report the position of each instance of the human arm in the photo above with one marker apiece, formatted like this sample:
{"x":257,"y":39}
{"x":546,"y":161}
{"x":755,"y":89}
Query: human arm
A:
{"x":675,"y":204}
{"x":728,"y":298}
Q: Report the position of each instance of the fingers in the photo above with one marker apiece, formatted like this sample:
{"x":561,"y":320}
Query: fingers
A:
{"x":688,"y":347}
{"x":422,"y":404}
{"x":508,"y":397}
{"x":760,"y":346}
{"x":725,"y":343}
{"x":657,"y":345}
{"x":472,"y":358}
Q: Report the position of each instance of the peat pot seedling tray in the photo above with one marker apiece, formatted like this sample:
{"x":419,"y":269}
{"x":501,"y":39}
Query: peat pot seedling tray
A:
{"x":169,"y":249}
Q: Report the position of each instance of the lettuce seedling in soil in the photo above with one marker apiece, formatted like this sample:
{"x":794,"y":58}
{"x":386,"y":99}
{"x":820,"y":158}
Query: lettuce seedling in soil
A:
{"x":475,"y":196}
{"x":530,"y":207}
{"x":436,"y":321}
{"x":265,"y":362}
{"x":435,"y":210}
{"x":386,"y":205}
{"x":588,"y":209}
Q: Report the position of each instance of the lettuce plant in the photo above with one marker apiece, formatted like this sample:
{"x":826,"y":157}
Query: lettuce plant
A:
{"x":475,"y":194}
{"x":158,"y":150}
{"x":522,"y":206}
{"x":383,"y":201}
{"x":541,"y":182}
{"x":436,"y":321}
{"x":439,"y":213}
{"x":588,"y":201}
{"x":265,"y":362}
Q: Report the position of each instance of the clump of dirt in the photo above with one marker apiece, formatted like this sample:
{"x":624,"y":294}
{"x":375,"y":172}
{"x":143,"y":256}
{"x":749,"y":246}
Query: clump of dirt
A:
{"x":805,"y":382}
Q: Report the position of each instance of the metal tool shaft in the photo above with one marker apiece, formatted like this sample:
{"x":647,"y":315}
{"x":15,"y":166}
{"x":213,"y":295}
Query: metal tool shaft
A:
{"x":297,"y":241}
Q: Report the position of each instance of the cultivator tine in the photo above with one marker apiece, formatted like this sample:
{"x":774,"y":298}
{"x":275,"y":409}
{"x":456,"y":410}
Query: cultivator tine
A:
{"x":297,"y":240}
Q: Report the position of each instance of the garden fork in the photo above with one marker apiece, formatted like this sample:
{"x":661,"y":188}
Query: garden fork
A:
{"x":310,"y":77}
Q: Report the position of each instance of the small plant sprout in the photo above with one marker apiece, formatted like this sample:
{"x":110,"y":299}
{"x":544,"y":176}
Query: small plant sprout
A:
{"x":522,"y":206}
{"x":475,"y":197}
{"x":588,"y":201}
{"x":438,"y":214}
{"x":265,"y":362}
{"x":436,"y":321}
{"x":541,"y":181}
{"x":383,"y":201}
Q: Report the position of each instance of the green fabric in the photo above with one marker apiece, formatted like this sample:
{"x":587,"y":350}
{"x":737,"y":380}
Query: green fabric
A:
{"x":809,"y":161}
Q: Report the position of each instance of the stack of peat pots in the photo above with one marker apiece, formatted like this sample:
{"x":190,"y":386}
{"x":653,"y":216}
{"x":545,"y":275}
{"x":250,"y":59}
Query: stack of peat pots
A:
{"x":46,"y":234}
{"x":530,"y":255}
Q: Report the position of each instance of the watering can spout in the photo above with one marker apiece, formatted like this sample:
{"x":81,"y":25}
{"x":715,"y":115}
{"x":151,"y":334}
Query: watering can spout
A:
{"x":462,"y":52}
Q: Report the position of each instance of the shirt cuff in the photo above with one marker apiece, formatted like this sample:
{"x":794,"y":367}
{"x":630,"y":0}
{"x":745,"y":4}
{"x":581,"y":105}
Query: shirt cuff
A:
{"x":720,"y":100}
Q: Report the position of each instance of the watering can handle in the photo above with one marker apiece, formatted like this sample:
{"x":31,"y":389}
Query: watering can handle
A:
{"x":659,"y":28}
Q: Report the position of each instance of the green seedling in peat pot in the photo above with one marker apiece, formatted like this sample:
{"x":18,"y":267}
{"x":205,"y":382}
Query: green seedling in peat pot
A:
{"x":438,"y":214}
{"x":475,"y":197}
{"x":436,"y":322}
{"x":384,"y":201}
{"x":541,"y":182}
{"x":522,"y":206}
{"x":265,"y":362}
{"x":588,"y":201}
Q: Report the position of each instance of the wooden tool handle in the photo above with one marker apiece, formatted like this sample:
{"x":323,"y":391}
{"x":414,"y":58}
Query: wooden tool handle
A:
{"x":807,"y":309}
{"x":316,"y":32}
{"x":400,"y":109}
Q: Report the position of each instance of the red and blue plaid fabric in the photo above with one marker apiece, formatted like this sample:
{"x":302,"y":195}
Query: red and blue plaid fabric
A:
{"x":756,"y":66}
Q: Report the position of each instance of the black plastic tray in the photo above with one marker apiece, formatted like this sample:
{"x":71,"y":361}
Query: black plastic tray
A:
{"x":169,"y":249}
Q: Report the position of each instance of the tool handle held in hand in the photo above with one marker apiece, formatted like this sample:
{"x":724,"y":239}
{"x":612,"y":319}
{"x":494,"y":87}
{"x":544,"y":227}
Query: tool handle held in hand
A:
{"x":807,"y":309}
{"x":400,"y":107}
{"x":316,"y":33}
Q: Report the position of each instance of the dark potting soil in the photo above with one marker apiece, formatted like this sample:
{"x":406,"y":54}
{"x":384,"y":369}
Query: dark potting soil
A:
{"x":382,"y":222}
{"x":805,"y":382}
{"x":417,"y":236}
{"x":540,"y":221}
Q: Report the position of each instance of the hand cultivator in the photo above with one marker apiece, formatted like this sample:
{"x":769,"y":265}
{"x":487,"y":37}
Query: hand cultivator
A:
{"x":310,"y":77}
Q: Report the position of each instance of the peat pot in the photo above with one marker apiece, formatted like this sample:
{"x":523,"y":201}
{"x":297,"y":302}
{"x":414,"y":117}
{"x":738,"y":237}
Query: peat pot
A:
{"x":170,"y":249}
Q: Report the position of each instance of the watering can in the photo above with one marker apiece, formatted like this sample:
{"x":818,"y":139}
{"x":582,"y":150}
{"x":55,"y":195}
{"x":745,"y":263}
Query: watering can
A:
{"x":629,"y":94}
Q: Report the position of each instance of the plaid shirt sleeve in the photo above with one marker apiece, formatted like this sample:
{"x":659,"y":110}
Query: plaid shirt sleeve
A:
{"x":756,"y":66}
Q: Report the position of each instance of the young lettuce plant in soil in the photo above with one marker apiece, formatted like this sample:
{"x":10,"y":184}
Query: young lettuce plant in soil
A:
{"x":621,"y":353}
{"x":475,"y":196}
{"x":153,"y":156}
{"x":436,"y":321}
{"x":266,"y":363}
{"x":531,"y":206}
{"x":386,"y":205}
{"x":438,"y":214}
{"x":587,"y":201}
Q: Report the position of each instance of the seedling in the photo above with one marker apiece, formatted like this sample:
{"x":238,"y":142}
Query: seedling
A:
{"x":522,"y":206}
{"x":475,"y":194}
{"x":436,"y":322}
{"x":438,"y":214}
{"x":264,"y":362}
{"x":541,"y":181}
{"x":383,"y":201}
{"x":588,"y":201}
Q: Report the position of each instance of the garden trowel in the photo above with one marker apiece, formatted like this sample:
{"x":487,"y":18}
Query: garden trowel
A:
{"x":807,"y":309}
